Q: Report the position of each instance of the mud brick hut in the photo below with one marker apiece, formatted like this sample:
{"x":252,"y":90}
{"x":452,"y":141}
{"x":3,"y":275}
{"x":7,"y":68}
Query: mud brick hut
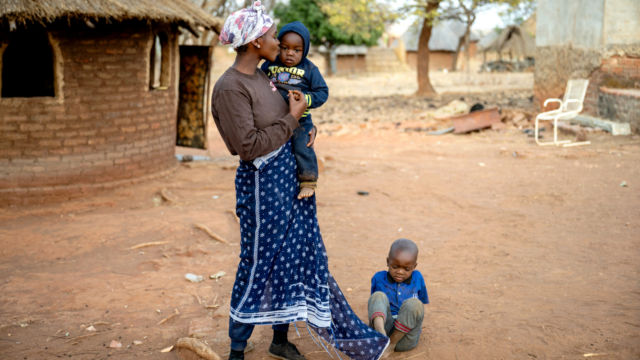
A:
{"x":89,"y":94}
{"x":443,"y":44}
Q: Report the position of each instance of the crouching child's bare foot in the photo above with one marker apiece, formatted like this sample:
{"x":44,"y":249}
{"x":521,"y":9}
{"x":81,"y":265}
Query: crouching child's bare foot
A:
{"x":395,"y":337}
{"x":306,"y":192}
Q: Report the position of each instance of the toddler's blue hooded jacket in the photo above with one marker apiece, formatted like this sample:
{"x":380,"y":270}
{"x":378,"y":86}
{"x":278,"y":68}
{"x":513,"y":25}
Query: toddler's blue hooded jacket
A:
{"x":305,"y":76}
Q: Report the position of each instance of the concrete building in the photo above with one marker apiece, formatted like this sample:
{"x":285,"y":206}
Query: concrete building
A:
{"x":594,"y":39}
{"x":89,"y":94}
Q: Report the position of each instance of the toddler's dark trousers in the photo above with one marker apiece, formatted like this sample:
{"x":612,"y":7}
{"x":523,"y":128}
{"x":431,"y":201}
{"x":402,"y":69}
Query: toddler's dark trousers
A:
{"x":305,"y":156}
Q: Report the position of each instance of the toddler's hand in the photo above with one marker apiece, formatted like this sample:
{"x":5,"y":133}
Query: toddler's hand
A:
{"x":296,"y":95}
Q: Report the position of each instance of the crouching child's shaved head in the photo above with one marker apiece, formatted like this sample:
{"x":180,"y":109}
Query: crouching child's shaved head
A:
{"x":403,"y":259}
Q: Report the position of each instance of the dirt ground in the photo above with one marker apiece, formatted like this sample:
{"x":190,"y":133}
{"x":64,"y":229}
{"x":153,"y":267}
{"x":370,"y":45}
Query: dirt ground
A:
{"x":528,"y":252}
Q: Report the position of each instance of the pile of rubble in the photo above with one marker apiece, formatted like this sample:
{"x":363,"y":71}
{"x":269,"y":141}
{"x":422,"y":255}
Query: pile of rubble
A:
{"x":394,"y":109}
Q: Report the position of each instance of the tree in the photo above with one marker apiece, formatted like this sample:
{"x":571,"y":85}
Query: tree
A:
{"x":217,"y":8}
{"x":466,"y":12}
{"x":518,"y":11}
{"x":328,"y":23}
{"x":428,"y":11}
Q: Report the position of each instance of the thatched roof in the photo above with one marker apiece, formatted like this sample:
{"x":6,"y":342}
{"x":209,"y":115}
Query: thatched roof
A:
{"x":181,"y":12}
{"x":515,"y":40}
{"x":445,"y":36}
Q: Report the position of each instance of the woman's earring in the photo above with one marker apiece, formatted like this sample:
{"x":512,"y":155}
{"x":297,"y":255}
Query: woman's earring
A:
{"x":258,"y":46}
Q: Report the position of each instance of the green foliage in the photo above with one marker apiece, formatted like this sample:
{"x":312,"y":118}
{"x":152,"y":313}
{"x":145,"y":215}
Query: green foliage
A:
{"x":518,"y":11}
{"x":365,"y":20}
{"x":324,"y":30}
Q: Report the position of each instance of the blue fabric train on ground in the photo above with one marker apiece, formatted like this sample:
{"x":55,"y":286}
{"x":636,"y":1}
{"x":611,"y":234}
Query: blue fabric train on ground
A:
{"x":283,"y":275}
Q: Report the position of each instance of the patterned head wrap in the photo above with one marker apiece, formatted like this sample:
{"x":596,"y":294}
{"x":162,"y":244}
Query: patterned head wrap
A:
{"x":246,"y":25}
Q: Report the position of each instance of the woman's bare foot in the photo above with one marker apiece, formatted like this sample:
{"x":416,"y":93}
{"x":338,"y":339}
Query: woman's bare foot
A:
{"x":305,"y":192}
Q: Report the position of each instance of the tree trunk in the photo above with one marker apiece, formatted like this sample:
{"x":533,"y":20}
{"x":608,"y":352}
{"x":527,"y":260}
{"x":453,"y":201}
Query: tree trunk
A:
{"x":467,"y":50}
{"x":454,"y":62}
{"x":327,"y":61}
{"x":424,"y":85}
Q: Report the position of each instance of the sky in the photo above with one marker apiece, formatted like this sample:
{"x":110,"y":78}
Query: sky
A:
{"x":485,"y":21}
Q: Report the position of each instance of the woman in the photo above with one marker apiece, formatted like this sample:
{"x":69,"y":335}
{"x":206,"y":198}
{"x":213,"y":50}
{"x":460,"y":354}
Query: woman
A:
{"x":283,"y":273}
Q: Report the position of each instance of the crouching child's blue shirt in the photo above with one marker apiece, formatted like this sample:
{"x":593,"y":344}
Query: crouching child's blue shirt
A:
{"x":304,"y":77}
{"x":397,"y":293}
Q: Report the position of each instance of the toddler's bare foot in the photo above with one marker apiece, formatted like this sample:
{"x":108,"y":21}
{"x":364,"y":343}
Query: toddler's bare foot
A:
{"x":305,"y":192}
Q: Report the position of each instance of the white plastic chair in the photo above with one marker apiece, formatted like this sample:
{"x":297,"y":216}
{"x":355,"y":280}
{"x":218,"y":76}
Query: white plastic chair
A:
{"x":570,"y":106}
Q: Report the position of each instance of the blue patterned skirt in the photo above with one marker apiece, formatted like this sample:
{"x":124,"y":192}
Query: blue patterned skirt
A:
{"x":283,"y":275}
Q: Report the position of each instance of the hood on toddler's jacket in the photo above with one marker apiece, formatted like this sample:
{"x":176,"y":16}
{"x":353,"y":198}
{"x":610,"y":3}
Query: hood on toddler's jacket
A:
{"x":298,"y":28}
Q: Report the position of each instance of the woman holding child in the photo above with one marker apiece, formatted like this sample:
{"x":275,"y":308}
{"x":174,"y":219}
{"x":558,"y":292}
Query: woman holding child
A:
{"x":283,"y":275}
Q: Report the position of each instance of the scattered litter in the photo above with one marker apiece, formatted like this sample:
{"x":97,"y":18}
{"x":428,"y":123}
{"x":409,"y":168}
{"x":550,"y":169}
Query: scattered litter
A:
{"x":166,"y":196}
{"x":210,"y":233}
{"x":197,"y":347}
{"x":85,"y":336}
{"x":198,"y":298}
{"x":190,"y":158}
{"x":441,"y":132}
{"x":169,"y":317}
{"x":481,"y":164}
{"x":590,"y":354}
{"x":476,"y":107}
{"x":194,"y":278}
{"x":623,"y":184}
{"x":114,"y":344}
{"x":159,"y":312}
{"x":141,"y":253}
{"x":218,"y":275}
{"x":216,"y":197}
{"x":349,"y":289}
{"x":137,"y":342}
{"x":363,"y":193}
{"x":453,"y":108}
{"x":22,"y":323}
{"x":167,"y":349}
{"x":477,"y":120}
{"x":212,"y":306}
{"x":53,"y":336}
{"x":147,"y":244}
{"x":90,"y":328}
{"x":157,"y":200}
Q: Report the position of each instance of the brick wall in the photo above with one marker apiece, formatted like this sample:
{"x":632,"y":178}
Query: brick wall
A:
{"x":617,"y":72}
{"x":104,"y":128}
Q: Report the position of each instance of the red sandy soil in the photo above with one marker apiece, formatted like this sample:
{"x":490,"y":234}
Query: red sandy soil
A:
{"x":533,"y":256}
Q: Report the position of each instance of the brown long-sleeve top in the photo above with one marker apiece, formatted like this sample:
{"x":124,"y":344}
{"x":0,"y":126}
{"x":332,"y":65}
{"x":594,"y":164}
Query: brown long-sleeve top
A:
{"x":252,"y":117}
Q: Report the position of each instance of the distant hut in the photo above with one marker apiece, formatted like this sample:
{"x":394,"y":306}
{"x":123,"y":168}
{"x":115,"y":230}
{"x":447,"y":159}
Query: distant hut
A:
{"x":512,"y":41}
{"x":443,"y":44}
{"x":89,"y":94}
{"x":350,"y":59}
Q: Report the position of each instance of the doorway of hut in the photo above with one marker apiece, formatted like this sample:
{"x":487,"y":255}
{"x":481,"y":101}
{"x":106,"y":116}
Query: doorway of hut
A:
{"x":194,"y":96}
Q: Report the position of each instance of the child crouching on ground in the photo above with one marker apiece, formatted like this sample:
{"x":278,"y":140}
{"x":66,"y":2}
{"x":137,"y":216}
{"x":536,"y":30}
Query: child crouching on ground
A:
{"x":397,"y":296}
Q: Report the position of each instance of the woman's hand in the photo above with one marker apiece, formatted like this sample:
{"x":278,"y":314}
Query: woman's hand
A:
{"x":312,"y":136}
{"x":297,"y":104}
